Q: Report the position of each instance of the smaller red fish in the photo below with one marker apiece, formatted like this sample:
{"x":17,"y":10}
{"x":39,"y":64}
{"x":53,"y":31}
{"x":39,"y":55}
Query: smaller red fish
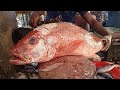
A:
{"x":106,"y":68}
{"x":115,"y":72}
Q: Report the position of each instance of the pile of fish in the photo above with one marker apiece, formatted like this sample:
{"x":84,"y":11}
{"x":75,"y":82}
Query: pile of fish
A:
{"x":54,"y":40}
{"x":107,"y":70}
{"x":102,"y":72}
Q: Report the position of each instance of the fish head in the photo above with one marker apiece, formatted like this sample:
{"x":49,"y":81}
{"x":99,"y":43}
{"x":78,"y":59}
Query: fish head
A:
{"x":29,"y":49}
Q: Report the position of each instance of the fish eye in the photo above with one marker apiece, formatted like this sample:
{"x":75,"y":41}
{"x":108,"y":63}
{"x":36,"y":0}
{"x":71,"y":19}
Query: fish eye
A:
{"x":32,"y":41}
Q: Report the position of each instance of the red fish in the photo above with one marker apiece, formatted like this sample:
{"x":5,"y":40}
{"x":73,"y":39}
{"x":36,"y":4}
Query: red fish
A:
{"x":54,"y":40}
{"x":115,"y":72}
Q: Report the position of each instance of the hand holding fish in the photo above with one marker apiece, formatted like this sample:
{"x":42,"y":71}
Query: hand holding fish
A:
{"x":107,"y":42}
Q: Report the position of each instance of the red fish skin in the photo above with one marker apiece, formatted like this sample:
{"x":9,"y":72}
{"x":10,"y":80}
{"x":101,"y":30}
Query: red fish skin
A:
{"x":88,"y":44}
{"x":100,"y":63}
{"x":55,"y":40}
{"x":115,"y":73}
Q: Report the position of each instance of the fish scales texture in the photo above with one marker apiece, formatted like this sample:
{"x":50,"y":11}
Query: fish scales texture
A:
{"x":75,"y":40}
{"x":67,"y":67}
{"x":55,"y":40}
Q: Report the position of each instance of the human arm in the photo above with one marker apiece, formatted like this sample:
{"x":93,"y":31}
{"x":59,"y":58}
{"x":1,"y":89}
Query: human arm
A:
{"x":95,"y":25}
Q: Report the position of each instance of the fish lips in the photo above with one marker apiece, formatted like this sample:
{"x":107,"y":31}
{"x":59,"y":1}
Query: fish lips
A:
{"x":18,"y":59}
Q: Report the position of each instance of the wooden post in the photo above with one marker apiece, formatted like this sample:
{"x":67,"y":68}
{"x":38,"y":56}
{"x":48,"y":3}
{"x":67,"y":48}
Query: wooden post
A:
{"x":7,"y":25}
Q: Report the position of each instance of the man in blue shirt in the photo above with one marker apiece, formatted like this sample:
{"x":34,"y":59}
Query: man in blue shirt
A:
{"x":113,"y":19}
{"x":68,"y":16}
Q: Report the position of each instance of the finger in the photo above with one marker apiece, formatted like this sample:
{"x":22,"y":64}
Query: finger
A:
{"x":104,"y":42}
{"x":105,"y":48}
{"x":106,"y":45}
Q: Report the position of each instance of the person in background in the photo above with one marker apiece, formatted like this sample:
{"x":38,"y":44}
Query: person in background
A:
{"x":113,"y":19}
{"x":69,"y":16}
{"x":102,"y":17}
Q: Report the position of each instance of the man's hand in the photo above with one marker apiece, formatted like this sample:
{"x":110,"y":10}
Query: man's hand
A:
{"x":34,"y":20}
{"x":107,"y":42}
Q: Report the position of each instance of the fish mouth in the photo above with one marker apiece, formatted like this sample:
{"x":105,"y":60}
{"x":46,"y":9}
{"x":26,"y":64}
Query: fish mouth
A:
{"x":17,"y":57}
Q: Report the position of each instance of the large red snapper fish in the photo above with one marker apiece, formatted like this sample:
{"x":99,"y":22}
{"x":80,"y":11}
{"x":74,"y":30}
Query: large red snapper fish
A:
{"x":54,"y":40}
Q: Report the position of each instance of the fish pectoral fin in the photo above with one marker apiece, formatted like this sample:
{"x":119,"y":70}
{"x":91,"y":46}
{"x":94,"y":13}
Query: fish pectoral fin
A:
{"x":70,"y":47}
{"x":95,"y":57}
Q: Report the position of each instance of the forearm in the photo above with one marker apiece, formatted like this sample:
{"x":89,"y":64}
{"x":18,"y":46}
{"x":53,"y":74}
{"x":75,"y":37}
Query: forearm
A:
{"x":39,"y":12}
{"x":95,"y":24}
